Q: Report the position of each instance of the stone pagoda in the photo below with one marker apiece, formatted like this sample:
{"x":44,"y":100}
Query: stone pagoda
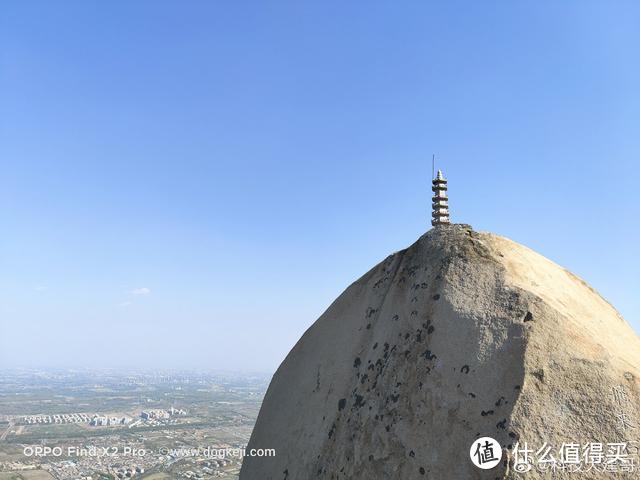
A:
{"x":440,"y":213}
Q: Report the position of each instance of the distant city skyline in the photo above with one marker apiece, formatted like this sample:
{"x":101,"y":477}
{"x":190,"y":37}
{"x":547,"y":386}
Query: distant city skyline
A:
{"x":192,"y":186}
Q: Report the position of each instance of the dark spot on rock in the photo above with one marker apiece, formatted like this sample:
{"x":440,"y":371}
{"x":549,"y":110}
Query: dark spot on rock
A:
{"x":421,"y":470}
{"x":387,"y":428}
{"x":371,"y":458}
{"x":517,"y":387}
{"x":412,"y":453}
{"x":414,"y":313}
{"x":539,"y":374}
{"x":359,"y":403}
{"x":436,"y":296}
{"x":428,"y":355}
{"x":356,"y":362}
{"x":502,"y":424}
{"x":407,"y":336}
{"x":286,"y":474}
{"x":488,"y":412}
{"x":395,"y":318}
{"x":375,"y":345}
{"x":394,"y":398}
{"x":342,"y":403}
{"x":472,"y":395}
{"x":430,"y":330}
{"x":464,"y":369}
{"x":528,"y":317}
{"x":333,"y":429}
{"x":368,"y":326}
{"x":423,"y":285}
{"x":499,"y":402}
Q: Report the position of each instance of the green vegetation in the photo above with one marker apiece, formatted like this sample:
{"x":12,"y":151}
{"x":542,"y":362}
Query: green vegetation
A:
{"x":220,"y":411}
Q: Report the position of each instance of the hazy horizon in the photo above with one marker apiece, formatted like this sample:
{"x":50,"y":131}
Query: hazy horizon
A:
{"x":189,"y":186}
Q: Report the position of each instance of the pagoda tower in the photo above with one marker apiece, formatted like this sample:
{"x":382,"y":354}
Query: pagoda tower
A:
{"x":440,"y":213}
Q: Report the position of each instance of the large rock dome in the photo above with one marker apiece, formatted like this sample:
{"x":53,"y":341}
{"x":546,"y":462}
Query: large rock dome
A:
{"x":460,"y":336}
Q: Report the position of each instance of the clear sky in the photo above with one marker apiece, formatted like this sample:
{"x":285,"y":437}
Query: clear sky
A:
{"x":190,"y":184}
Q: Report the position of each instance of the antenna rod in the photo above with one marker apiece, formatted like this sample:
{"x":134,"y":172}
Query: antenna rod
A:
{"x":433,"y":166}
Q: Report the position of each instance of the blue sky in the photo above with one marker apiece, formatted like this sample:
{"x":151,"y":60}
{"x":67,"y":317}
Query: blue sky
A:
{"x":190,"y":184}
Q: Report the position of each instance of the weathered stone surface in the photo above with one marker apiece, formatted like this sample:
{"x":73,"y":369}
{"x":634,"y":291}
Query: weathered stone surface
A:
{"x":460,"y":336}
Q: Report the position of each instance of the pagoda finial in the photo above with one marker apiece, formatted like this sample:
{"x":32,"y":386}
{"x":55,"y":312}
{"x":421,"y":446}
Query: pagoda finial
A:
{"x":440,"y":213}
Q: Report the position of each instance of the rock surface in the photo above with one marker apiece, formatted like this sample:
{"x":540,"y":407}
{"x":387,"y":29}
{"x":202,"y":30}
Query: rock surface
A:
{"x":460,"y":336}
